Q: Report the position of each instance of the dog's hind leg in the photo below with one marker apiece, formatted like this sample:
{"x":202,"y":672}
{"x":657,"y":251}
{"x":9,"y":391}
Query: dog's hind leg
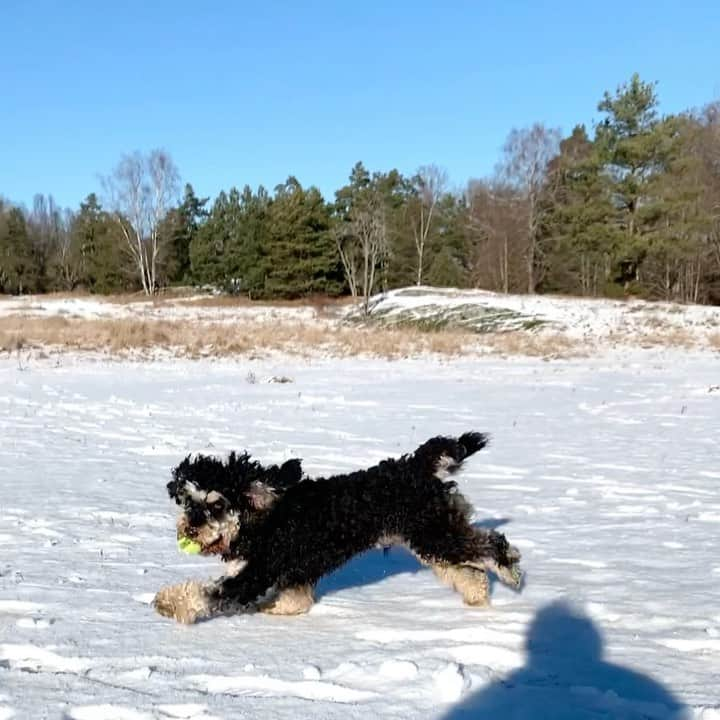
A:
{"x":460,"y":555}
{"x":499,"y":557}
{"x":450,"y":552}
{"x":291,"y":601}
{"x":472,"y":583}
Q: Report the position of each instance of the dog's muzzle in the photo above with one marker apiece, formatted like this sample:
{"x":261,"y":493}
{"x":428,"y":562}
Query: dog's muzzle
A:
{"x":183,"y":528}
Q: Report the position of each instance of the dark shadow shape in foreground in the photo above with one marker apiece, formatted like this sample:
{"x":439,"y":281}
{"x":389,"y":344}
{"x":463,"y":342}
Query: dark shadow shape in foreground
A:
{"x":566,"y":678}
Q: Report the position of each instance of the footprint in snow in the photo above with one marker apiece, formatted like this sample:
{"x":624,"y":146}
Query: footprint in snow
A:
{"x":30,"y":623}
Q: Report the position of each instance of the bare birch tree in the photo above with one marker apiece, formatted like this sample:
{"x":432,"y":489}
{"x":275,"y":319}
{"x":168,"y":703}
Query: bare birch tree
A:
{"x":164,"y":187}
{"x":45,"y":228}
{"x":528,"y":153}
{"x":140,"y":191}
{"x":493,"y":217}
{"x":710,"y":150}
{"x":363,"y":245}
{"x":430,"y":182}
{"x":67,"y":256}
{"x":348,"y":250}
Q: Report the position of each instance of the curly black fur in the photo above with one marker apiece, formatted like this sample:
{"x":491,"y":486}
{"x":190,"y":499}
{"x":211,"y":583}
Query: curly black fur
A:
{"x":293,"y":530}
{"x":233,"y":477}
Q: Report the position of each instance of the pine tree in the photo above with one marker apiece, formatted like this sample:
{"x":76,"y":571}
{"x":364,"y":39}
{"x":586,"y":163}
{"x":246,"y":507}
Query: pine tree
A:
{"x":631,"y":150}
{"x":582,"y":239}
{"x":302,"y":255}
{"x":181,"y":225}
{"x":96,"y":239}
{"x":18,"y":273}
{"x":208,"y":246}
{"x":229,"y":249}
{"x":247,"y":249}
{"x":677,"y":220}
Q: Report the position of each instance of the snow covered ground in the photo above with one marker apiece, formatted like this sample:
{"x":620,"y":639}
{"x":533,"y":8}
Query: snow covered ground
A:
{"x":96,"y":307}
{"x":604,"y":472}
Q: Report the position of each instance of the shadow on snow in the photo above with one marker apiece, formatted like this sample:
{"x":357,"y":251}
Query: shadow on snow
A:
{"x":566,"y":678}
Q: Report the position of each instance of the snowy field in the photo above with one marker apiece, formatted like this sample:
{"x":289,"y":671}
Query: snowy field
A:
{"x":97,"y":307}
{"x":603,"y":471}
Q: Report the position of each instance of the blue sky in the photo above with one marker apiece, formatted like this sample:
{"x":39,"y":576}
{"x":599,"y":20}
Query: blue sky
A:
{"x":250,"y":92}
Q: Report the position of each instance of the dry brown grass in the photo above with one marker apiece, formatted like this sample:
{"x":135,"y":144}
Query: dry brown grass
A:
{"x":544,"y":345}
{"x":656,"y":336}
{"x":21,"y":332}
{"x":198,"y":339}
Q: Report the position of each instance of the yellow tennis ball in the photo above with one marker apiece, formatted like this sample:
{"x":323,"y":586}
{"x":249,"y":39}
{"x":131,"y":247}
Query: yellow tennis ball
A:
{"x":191,"y":547}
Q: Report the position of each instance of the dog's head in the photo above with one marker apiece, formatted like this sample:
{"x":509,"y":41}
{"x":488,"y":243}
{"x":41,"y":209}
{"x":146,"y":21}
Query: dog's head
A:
{"x":218,"y":498}
{"x":503,"y":559}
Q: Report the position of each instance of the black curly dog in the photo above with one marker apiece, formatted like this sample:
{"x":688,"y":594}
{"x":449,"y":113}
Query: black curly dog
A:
{"x":292,"y":530}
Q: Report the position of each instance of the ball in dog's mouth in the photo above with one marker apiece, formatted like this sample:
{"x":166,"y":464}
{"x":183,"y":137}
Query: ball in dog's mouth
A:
{"x":189,"y":546}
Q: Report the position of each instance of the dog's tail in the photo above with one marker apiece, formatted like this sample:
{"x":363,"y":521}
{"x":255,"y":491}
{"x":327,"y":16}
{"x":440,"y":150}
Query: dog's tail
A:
{"x":441,"y":456}
{"x":471,"y":442}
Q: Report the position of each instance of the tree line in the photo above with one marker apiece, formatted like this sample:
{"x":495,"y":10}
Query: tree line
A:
{"x":631,"y":207}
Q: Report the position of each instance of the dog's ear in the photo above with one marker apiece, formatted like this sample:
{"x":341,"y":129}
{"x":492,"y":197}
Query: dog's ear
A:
{"x":175,"y":486}
{"x":260,"y":495}
{"x":276,"y":480}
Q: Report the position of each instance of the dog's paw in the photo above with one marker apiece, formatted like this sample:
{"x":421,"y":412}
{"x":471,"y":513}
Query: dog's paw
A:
{"x":511,"y":576}
{"x":473,"y":585}
{"x":292,"y":601}
{"x":187,"y":602}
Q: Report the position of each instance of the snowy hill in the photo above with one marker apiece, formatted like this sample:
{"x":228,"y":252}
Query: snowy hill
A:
{"x":588,"y":319}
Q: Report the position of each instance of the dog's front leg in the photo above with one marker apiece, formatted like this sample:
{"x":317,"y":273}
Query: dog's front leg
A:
{"x":243,"y":592}
{"x":186,"y":602}
{"x":191,"y":601}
